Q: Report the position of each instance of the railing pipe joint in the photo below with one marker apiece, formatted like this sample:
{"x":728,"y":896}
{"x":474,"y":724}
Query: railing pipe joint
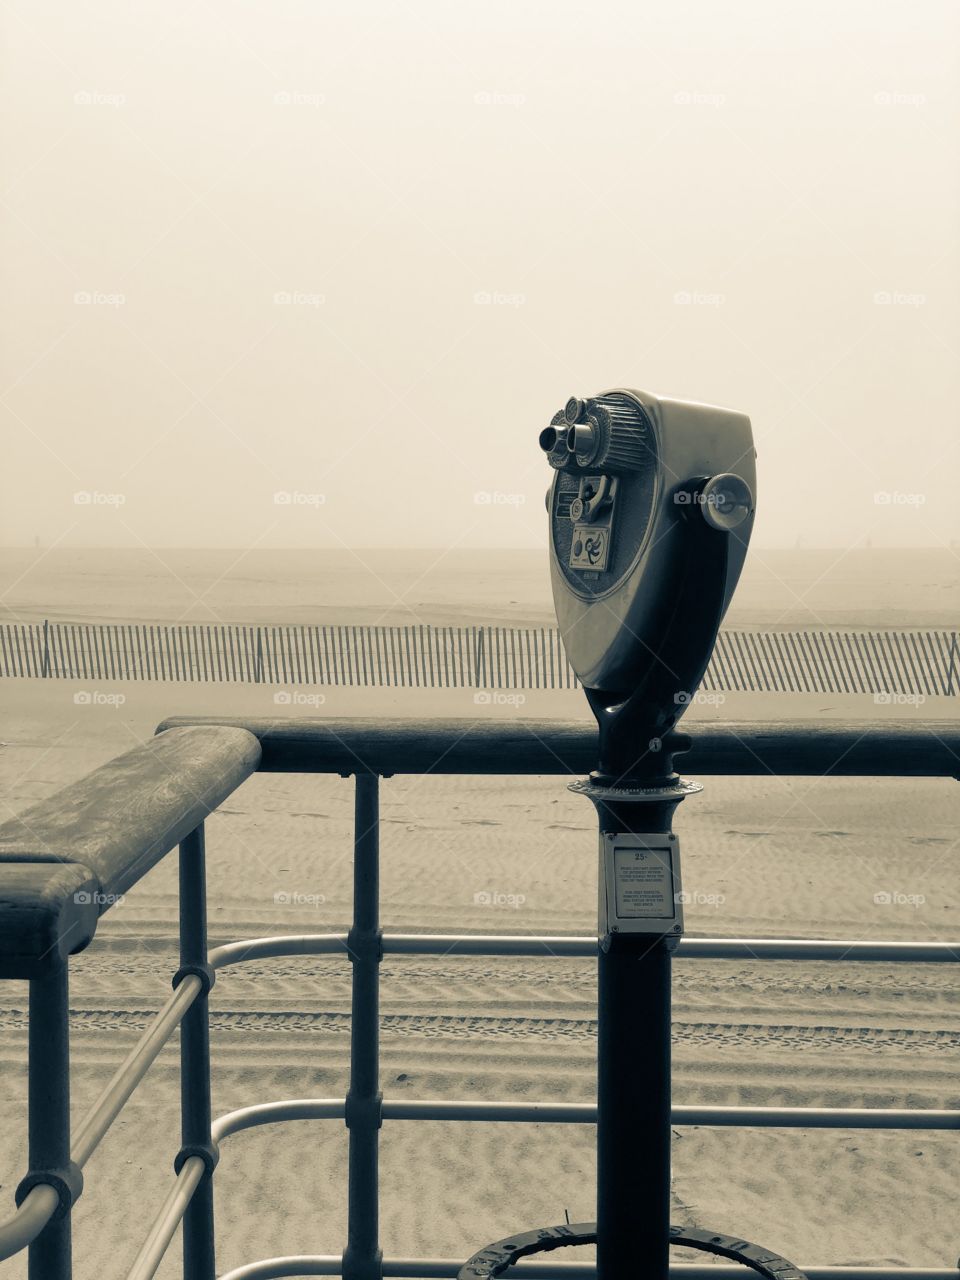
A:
{"x":208,"y":1152}
{"x":66,"y":1181}
{"x":365,"y":945}
{"x":205,"y":972}
{"x":363,"y":1113}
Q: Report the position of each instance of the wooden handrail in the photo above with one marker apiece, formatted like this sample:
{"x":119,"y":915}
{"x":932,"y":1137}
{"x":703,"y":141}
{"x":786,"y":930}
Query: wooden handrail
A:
{"x":67,"y":859}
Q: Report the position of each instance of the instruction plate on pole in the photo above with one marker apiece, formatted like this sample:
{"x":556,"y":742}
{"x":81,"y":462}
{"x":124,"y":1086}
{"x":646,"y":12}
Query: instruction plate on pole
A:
{"x":640,"y":884}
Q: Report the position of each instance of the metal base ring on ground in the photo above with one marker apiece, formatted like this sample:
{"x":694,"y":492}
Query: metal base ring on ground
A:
{"x":496,"y":1258}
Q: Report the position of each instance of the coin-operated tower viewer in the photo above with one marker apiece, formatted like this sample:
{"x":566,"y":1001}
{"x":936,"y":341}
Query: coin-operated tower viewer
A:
{"x":650,"y":513}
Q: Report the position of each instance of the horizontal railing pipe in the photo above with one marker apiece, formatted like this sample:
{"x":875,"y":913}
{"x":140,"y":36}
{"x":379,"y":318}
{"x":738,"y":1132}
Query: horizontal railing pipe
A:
{"x":495,"y":944}
{"x":294,"y":944}
{"x":856,"y":748}
{"x":708,"y":1117}
{"x":817,"y":1117}
{"x":586,"y":1113}
{"x":275,"y":1112}
{"x":449,"y":1268}
{"x":818,"y":949}
{"x":569,"y":948}
{"x":22,"y":1227}
{"x":689,"y":948}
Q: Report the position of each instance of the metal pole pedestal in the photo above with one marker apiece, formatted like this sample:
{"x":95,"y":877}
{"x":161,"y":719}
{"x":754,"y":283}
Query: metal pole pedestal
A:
{"x":641,"y":922}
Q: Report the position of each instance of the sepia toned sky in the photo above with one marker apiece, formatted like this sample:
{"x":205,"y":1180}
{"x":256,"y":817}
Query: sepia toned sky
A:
{"x":316,"y":274}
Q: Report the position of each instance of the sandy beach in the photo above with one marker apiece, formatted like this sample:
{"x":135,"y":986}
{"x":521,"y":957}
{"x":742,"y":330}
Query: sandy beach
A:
{"x":765,"y":856}
{"x":860,"y":587}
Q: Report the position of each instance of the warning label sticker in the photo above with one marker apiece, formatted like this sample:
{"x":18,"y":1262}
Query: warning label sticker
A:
{"x":643,"y":879}
{"x":590,"y":547}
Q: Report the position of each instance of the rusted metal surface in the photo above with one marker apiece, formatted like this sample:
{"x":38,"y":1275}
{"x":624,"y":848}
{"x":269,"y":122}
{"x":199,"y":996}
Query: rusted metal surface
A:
{"x":494,"y":1259}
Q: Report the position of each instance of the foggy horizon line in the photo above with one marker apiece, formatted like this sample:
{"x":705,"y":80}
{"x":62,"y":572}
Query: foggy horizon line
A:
{"x":438,"y":547}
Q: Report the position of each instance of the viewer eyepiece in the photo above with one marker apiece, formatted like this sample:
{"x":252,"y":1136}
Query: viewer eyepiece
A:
{"x":548,"y":439}
{"x":582,"y":441}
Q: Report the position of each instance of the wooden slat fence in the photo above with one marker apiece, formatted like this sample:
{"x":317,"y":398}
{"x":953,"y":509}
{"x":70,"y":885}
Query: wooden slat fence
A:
{"x":877,"y":662}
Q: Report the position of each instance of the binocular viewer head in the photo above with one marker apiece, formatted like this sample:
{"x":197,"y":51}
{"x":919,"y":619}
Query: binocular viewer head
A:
{"x":650,"y":512}
{"x":604,"y":433}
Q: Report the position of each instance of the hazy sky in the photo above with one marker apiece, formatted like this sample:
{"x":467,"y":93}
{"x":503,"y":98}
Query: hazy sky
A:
{"x":356,"y":255}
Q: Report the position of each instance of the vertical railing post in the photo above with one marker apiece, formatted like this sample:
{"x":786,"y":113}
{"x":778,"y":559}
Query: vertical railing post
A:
{"x":198,"y":1233}
{"x":49,"y":1113}
{"x":363,"y":1258}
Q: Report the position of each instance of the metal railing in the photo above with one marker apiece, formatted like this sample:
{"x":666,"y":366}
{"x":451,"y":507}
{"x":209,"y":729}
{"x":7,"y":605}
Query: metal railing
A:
{"x":66,"y":859}
{"x":895,"y":663}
